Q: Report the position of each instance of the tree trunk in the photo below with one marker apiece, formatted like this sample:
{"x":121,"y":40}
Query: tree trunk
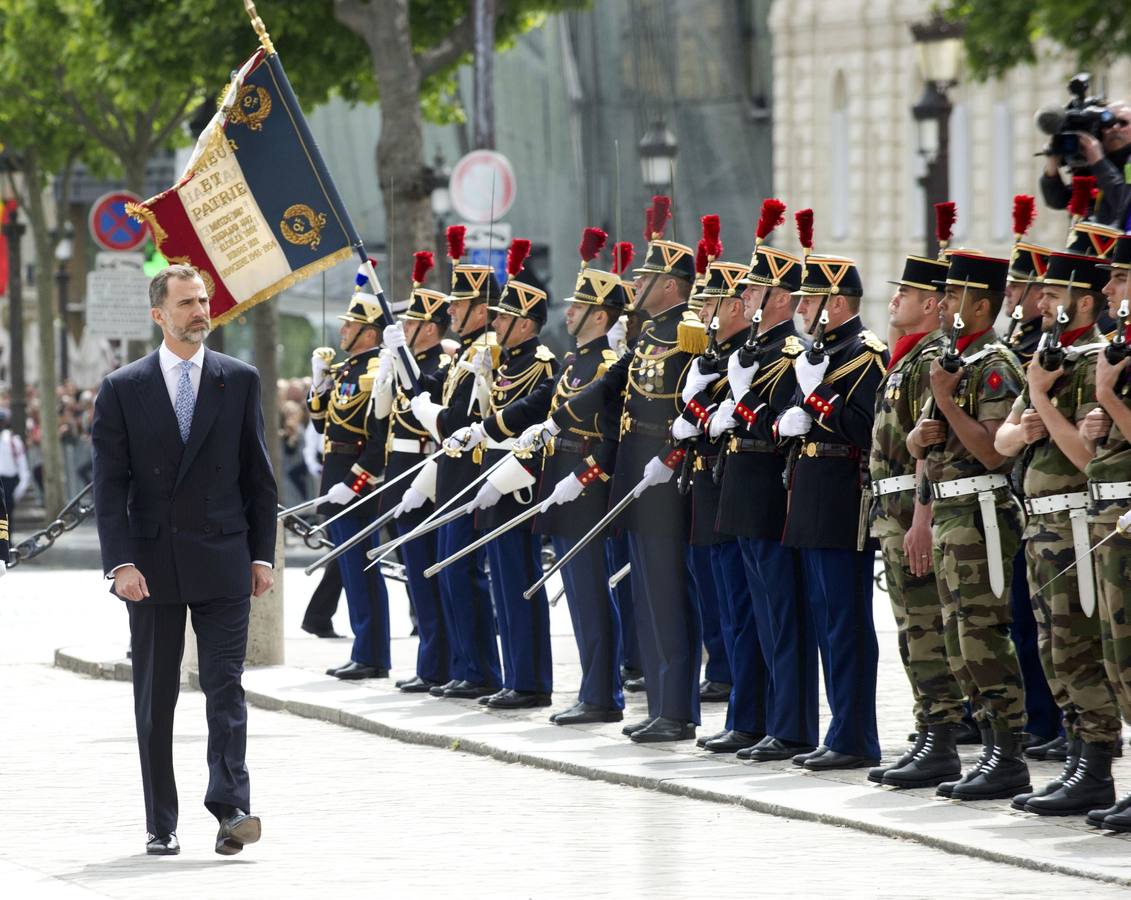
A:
{"x":265,"y":341}
{"x":50,"y":445}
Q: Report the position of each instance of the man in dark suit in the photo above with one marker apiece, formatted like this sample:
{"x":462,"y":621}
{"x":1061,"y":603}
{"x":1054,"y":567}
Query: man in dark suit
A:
{"x":185,"y":501}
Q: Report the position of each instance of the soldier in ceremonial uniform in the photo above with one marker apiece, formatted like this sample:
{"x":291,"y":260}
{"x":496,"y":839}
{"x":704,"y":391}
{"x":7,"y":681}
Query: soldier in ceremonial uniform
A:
{"x":4,"y":538}
{"x":901,"y":520}
{"x":1106,"y":427}
{"x":644,"y":387}
{"x":449,"y":399}
{"x":520,"y":397}
{"x":977,"y":521}
{"x":762,"y":385}
{"x":1042,"y":428}
{"x":1027,"y":266}
{"x":576,"y":471}
{"x":406,"y":442}
{"x":831,"y":419}
{"x":353,"y":456}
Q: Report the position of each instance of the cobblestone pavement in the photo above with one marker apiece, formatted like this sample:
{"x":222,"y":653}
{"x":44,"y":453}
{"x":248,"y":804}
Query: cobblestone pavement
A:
{"x":347,"y":814}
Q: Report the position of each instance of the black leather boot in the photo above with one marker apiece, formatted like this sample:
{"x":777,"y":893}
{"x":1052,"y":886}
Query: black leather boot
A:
{"x":1004,"y":775}
{"x":1070,"y":762}
{"x":876,"y":774}
{"x":945,"y":789}
{"x":937,"y":761}
{"x":1089,"y":787}
{"x":1042,"y":750}
{"x":1096,"y":816}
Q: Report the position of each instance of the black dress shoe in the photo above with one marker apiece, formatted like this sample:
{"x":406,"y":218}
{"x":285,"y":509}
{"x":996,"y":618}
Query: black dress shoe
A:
{"x":714,"y":692}
{"x":660,"y":730}
{"x":356,"y":671}
{"x":162,"y":846}
{"x":554,"y":716}
{"x":799,"y":759}
{"x":519,"y":700}
{"x":437,"y":690}
{"x":831,"y":759}
{"x":627,"y":673}
{"x":632,"y":727}
{"x":502,"y":692}
{"x":236,"y":830}
{"x":416,"y":685}
{"x":466,"y":690}
{"x":321,"y":631}
{"x":586,"y":713}
{"x":733,"y":741}
{"x":1096,"y":816}
{"x":771,"y":748}
{"x":701,"y":741}
{"x":634,"y":685}
{"x":1057,"y":746}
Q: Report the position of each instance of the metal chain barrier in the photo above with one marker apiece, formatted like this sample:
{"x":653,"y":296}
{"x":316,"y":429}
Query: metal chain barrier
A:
{"x":71,"y":516}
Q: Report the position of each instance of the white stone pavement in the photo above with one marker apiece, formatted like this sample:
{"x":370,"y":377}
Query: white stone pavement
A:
{"x":92,"y":631}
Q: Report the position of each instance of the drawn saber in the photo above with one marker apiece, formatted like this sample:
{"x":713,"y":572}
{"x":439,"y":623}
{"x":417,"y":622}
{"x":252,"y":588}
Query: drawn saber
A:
{"x":378,"y":554}
{"x":301,"y":507}
{"x":388,"y":484}
{"x":619,"y":575}
{"x":524,"y":516}
{"x":352,"y":542}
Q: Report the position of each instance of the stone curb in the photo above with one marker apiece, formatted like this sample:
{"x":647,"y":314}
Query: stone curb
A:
{"x":122,"y":671}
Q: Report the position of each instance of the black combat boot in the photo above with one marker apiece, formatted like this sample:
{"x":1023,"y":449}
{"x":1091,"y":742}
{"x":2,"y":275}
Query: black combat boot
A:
{"x":1089,"y":787}
{"x":945,"y":789}
{"x":937,"y":761}
{"x":876,"y":774}
{"x":1004,"y":775}
{"x":1041,"y":749}
{"x":1096,"y":817}
{"x":1070,"y":763}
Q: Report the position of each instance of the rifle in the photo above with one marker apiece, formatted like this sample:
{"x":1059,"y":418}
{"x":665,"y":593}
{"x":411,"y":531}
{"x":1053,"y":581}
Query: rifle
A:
{"x":951,"y":360}
{"x":1050,"y":356}
{"x":1116,"y":351}
{"x":1018,"y":314}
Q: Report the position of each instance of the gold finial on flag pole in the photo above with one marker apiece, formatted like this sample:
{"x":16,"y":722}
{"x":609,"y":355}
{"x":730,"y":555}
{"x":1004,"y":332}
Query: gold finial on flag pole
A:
{"x":260,"y":28}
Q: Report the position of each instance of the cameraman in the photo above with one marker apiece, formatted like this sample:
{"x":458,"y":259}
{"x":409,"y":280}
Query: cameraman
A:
{"x":1105,"y":159}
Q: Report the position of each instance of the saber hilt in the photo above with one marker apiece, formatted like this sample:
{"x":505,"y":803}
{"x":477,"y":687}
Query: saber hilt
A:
{"x":345,"y":546}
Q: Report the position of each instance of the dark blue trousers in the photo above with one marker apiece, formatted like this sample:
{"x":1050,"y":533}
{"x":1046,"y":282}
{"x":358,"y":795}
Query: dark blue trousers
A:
{"x":668,"y":626}
{"x":524,"y":625}
{"x":596,"y":624}
{"x":839,"y":587}
{"x":157,"y":642}
{"x":747,"y":708}
{"x":783,"y":631}
{"x":711,"y":613}
{"x":616,"y":554}
{"x":466,"y":600}
{"x":1041,"y":708}
{"x":366,"y":597}
{"x":432,"y":653}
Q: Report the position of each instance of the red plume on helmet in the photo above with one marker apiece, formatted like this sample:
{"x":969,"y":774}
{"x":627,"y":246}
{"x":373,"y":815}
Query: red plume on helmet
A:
{"x":714,"y":246}
{"x":946,"y":214}
{"x":456,"y":237}
{"x":647,"y":224}
{"x":423,"y":263}
{"x":773,"y":214}
{"x":1083,"y":193}
{"x":623,"y":252}
{"x":592,"y":243}
{"x":804,"y":220}
{"x":516,"y":255}
{"x":661,"y":212}
{"x":701,"y":260}
{"x":1024,"y":212}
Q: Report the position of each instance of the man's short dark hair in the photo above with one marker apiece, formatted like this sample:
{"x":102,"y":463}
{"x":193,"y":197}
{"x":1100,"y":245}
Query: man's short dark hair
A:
{"x":159,"y":286}
{"x":995,"y":299}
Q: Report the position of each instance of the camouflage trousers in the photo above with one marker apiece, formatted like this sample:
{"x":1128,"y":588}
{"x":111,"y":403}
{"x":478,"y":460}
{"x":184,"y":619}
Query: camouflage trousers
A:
{"x":975,"y":622}
{"x":1112,"y":566}
{"x":922,"y":647}
{"x":1067,"y":640}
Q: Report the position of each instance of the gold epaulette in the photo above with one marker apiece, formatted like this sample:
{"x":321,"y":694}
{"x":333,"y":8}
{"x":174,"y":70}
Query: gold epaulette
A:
{"x":872,"y":342}
{"x":365,"y":382}
{"x":792,"y":347}
{"x":445,"y":361}
{"x":544,"y":354}
{"x":691,"y":334}
{"x":608,"y":357}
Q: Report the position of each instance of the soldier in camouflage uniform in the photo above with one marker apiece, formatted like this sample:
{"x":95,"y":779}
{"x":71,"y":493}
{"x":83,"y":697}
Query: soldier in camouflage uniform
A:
{"x":902,"y":523}
{"x":1043,"y":424}
{"x":977,"y":521}
{"x":1106,"y":427}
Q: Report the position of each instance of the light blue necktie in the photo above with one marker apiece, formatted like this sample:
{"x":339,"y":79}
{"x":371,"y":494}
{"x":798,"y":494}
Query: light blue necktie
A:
{"x":185,"y":400}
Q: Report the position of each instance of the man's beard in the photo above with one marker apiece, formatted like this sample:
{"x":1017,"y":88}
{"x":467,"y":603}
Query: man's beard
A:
{"x":193,"y":334}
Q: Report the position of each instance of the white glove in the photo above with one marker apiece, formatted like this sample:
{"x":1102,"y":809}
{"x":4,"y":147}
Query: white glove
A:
{"x":565,"y":491}
{"x":487,"y":497}
{"x":794,"y":422}
{"x":696,"y":380}
{"x":682,"y":430}
{"x":4,"y":567}
{"x":618,"y":333}
{"x":809,"y":375}
{"x":340,"y":494}
{"x":467,"y":438}
{"x":319,"y":373}
{"x":655,"y":472}
{"x":536,"y":436}
{"x":723,"y":419}
{"x":385,"y":366}
{"x":1125,"y":521}
{"x":426,"y":412}
{"x":740,"y":376}
{"x":412,"y":499}
{"x":381,"y":399}
{"x":393,"y":336}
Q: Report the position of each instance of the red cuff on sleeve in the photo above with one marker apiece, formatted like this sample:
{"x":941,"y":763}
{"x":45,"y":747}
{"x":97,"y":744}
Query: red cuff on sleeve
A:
{"x":698,"y":410}
{"x":358,"y":483}
{"x":819,"y":404}
{"x":749,"y":416}
{"x":674,"y":458}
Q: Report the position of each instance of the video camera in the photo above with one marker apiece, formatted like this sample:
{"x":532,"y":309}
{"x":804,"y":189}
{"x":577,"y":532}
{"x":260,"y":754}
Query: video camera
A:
{"x":1081,"y":113}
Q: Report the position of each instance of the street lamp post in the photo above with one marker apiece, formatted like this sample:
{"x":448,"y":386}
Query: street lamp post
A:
{"x":439,"y":179}
{"x":658,"y":150}
{"x":13,"y":231}
{"x":938,"y":50}
{"x":63,"y":252}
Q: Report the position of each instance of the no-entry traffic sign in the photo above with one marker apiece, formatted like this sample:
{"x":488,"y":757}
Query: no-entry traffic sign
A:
{"x":473,"y":178}
{"x":111,"y":227}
